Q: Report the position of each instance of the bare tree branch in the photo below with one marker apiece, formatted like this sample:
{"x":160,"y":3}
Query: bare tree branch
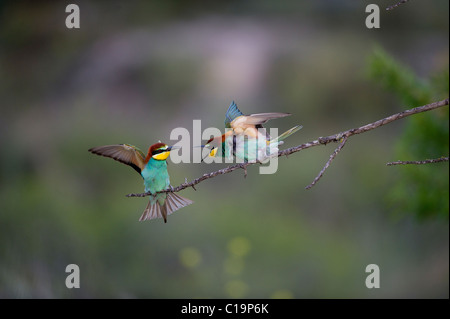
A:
{"x":396,"y":5}
{"x":226,"y":170}
{"x":339,"y":137}
{"x":336,"y":151}
{"x":428,"y":161}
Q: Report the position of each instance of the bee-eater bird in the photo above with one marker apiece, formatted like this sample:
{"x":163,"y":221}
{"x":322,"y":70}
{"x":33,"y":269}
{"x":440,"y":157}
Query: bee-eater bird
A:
{"x":246,"y":138}
{"x":153,"y":169}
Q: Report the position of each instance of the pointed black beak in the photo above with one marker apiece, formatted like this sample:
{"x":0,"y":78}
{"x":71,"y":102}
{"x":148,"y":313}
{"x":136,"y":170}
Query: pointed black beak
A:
{"x":202,"y":146}
{"x":173,"y":147}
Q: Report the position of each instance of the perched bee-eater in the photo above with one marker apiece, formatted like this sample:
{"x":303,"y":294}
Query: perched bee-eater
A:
{"x":246,"y":138}
{"x":153,"y":169}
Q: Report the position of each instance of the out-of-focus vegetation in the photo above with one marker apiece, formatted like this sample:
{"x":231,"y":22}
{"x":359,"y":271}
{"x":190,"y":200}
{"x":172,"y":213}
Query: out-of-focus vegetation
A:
{"x":422,"y":190}
{"x":134,"y":71}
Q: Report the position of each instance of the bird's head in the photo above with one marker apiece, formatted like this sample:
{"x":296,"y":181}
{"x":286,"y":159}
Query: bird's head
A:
{"x":212,"y":145}
{"x":159,"y":151}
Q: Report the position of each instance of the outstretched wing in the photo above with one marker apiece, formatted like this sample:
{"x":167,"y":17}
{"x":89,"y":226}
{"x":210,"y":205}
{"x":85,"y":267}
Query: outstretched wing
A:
{"x":261,"y":118}
{"x":124,"y":153}
{"x":251,"y":123}
{"x":232,"y":113}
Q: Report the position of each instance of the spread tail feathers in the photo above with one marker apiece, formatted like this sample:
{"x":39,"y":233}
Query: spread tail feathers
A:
{"x":172,"y":203}
{"x":286,"y":134}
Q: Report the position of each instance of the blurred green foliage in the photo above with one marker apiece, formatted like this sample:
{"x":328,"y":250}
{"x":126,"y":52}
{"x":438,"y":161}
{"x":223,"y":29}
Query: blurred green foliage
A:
{"x":422,"y":190}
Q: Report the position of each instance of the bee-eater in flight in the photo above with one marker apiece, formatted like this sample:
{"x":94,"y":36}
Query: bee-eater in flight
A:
{"x":246,"y":138}
{"x":153,"y":169}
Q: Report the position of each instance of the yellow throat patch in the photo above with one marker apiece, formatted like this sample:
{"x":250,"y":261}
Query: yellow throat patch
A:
{"x":213,"y":152}
{"x":161,"y":156}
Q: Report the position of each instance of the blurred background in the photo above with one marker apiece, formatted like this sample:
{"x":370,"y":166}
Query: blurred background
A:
{"x":136,"y":70}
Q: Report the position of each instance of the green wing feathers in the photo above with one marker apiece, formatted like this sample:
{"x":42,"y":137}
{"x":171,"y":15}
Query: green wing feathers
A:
{"x":232,"y":113}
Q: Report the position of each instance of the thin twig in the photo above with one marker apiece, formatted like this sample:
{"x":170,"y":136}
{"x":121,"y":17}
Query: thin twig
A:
{"x":396,"y":5}
{"x":336,"y":151}
{"x":320,"y":141}
{"x":428,"y":161}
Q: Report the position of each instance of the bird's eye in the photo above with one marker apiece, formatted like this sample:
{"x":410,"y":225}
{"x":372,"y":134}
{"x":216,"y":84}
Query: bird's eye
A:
{"x":158,"y":151}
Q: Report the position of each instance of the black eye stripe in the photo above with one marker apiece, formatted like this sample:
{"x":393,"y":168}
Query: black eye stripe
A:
{"x":159,"y":151}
